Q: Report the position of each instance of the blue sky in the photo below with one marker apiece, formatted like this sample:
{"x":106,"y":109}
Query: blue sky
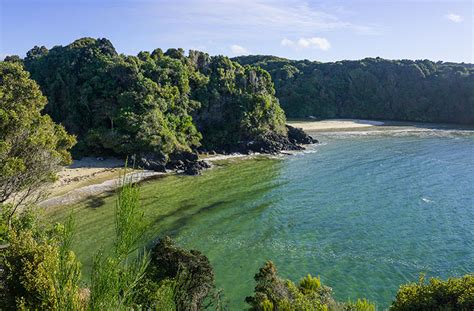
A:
{"x":297,"y":29}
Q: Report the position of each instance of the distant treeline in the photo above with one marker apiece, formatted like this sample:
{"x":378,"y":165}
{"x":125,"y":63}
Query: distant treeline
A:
{"x":156,"y":102}
{"x":373,"y":88}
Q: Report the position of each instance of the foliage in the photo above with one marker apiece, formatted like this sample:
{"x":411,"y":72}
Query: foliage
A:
{"x":452,"y":294}
{"x":115,"y":277}
{"x":189,"y":272}
{"x":115,"y":103}
{"x":359,"y":305}
{"x":274,"y":293}
{"x":40,"y":270}
{"x":152,"y":103}
{"x":32,"y":147}
{"x":237,"y":103}
{"x":373,"y":88}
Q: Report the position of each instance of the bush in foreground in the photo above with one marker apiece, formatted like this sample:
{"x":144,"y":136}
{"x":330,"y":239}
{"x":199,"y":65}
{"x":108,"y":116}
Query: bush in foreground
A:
{"x":274,"y":293}
{"x":452,"y":294}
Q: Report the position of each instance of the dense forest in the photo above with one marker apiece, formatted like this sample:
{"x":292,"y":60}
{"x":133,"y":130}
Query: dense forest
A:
{"x":156,"y":105}
{"x":372,"y":88}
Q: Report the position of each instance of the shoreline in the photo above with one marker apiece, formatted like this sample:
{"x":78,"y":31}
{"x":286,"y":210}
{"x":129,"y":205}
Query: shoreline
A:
{"x":90,"y":177}
{"x":333,"y":124}
{"x":338,"y":125}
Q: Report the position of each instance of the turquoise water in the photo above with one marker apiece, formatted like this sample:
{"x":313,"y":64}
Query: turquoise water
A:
{"x":367,"y":211}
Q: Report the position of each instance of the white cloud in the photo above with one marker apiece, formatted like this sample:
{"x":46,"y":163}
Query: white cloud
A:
{"x":287,"y":42}
{"x":303,"y":43}
{"x":456,"y":18}
{"x":238,"y":50}
{"x":292,"y":17}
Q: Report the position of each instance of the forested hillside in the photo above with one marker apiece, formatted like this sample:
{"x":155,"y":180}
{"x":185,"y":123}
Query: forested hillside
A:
{"x":158,"y":103}
{"x":373,"y":88}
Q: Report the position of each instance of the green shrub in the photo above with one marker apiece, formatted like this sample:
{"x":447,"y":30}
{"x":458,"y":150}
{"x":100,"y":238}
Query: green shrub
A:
{"x":452,"y":294}
{"x":274,"y":293}
{"x":115,"y":277}
{"x":360,"y":305}
{"x":188,"y":271}
{"x":41,"y":272}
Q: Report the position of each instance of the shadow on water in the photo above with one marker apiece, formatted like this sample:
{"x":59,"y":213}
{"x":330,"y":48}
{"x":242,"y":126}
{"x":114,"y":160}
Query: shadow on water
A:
{"x":172,"y":222}
{"x":94,"y":202}
{"x":181,"y":220}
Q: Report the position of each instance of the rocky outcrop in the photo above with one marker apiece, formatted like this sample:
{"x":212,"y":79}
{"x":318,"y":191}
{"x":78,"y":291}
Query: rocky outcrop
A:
{"x":152,"y":161}
{"x":187,"y":162}
{"x":271,"y":143}
{"x":298,"y":136}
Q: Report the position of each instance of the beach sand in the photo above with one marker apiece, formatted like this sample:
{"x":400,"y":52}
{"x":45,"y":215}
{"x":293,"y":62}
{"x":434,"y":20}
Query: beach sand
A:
{"x":334,"y":124}
{"x":91,"y":177}
{"x":84,"y":172}
{"x":95,"y":176}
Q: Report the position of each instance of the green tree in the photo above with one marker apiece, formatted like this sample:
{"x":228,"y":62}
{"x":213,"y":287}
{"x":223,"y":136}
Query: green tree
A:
{"x":40,"y":270}
{"x":274,"y":293}
{"x":375,"y":88}
{"x":32,"y":146}
{"x":436,"y":294}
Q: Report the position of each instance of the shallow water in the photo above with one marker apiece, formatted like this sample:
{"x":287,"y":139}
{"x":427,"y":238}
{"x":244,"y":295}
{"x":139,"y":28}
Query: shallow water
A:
{"x":367,"y":211}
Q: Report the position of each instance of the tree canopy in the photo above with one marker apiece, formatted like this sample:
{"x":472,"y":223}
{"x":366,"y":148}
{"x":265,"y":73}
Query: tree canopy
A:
{"x":153,"y":102}
{"x":32,"y":146}
{"x":375,"y":88}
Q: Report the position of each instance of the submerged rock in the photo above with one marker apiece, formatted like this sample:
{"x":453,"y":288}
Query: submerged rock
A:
{"x":195,"y":168}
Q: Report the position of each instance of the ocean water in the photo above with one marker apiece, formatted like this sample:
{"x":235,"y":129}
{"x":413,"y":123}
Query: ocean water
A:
{"x":366,"y":211}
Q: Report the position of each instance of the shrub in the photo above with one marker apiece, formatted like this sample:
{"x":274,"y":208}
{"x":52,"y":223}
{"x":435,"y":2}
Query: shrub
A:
{"x":41,"y":272}
{"x":189,"y":271}
{"x":274,"y":293}
{"x":452,"y":294}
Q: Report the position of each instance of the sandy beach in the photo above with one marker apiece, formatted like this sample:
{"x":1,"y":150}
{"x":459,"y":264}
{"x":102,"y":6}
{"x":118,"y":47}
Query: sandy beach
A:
{"x":96,"y":176}
{"x":92,"y":176}
{"x":334,"y":124}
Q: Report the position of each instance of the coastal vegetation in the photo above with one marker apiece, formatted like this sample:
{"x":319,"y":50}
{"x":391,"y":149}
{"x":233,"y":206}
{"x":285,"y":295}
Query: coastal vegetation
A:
{"x":372,"y":88}
{"x":156,"y":103}
{"x":32,"y":146}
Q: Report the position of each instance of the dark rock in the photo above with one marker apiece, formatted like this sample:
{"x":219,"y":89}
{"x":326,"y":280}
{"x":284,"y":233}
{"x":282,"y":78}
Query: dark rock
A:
{"x":272,"y":143}
{"x":195,"y":168}
{"x":298,"y":136}
{"x":152,"y":161}
{"x":184,"y":156}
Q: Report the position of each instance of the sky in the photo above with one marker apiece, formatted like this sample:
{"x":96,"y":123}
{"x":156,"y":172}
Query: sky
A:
{"x":296,"y":29}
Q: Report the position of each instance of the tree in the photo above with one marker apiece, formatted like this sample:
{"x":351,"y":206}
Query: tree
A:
{"x":41,"y":271}
{"x":153,"y":104}
{"x":32,"y":146}
{"x":436,"y":294}
{"x":376,"y":88}
{"x":274,"y":293}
